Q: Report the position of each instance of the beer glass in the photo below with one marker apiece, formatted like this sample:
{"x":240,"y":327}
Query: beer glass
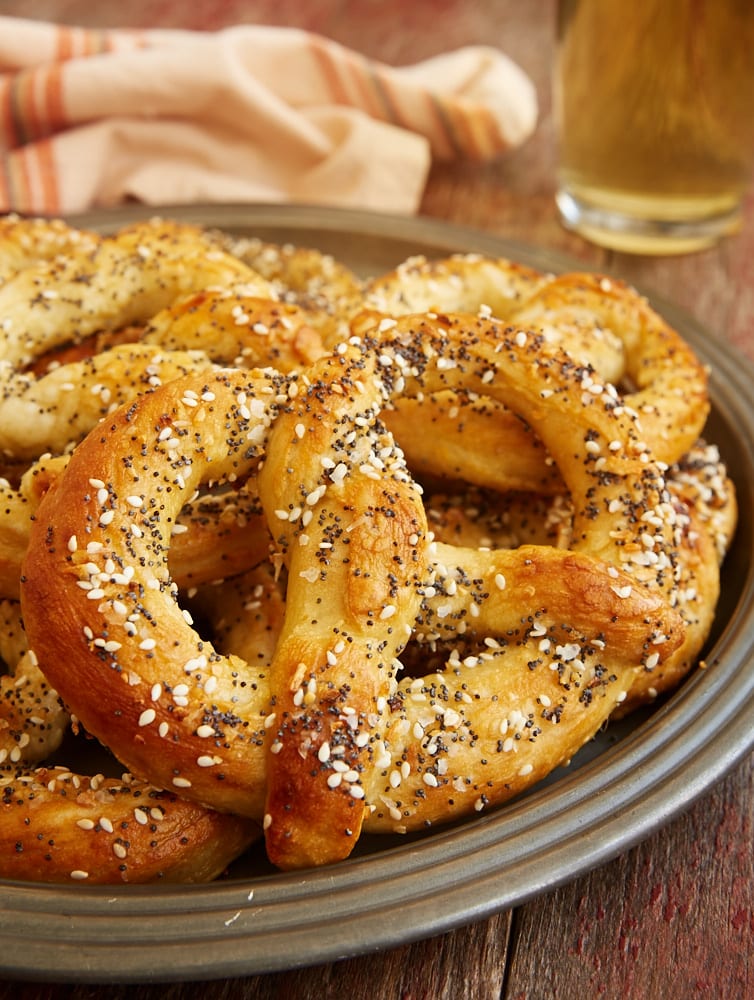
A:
{"x":654,"y":107}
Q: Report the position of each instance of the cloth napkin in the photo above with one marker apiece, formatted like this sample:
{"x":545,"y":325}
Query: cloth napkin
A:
{"x":92,"y":118}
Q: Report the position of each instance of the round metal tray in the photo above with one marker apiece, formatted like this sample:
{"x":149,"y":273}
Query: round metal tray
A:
{"x":628,"y":782}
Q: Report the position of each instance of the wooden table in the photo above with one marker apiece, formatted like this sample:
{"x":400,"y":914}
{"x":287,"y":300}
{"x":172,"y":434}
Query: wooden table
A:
{"x":675,"y":915}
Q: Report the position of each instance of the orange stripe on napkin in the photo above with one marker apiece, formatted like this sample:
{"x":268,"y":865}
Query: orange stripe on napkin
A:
{"x":56,"y":117}
{"x":64,"y":46}
{"x":17,"y":128}
{"x":372,"y":99}
{"x":26,"y":106}
{"x":42,"y":152}
{"x":348,"y":79}
{"x":428,"y":120}
{"x":476,"y":130}
{"x":17,"y":177}
{"x":8,"y":133}
{"x":5,"y":201}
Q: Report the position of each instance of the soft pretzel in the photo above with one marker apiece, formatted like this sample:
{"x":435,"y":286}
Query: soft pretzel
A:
{"x":328,"y":291}
{"x":128,"y":278}
{"x":49,"y":413}
{"x":600,"y":321}
{"x":58,"y":826}
{"x":32,"y":720}
{"x":125,"y":279}
{"x":112,"y":583}
{"x":14,"y":537}
{"x":703,"y":502}
{"x":612,"y":488}
{"x":28,"y":241}
{"x":216,"y":535}
{"x":471,"y":283}
{"x":361,"y":673}
{"x":237,"y":327}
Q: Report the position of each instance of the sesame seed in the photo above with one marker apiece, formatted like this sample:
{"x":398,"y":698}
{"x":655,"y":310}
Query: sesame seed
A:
{"x":207,"y":761}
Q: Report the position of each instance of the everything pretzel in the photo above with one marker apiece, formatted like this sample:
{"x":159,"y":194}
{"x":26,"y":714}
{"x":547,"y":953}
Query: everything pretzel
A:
{"x":25,"y":242}
{"x":324,"y":287}
{"x":58,"y":826}
{"x":124,"y":279}
{"x":600,"y":321}
{"x":346,"y":472}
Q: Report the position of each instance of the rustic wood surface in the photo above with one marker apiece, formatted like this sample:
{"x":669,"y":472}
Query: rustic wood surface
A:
{"x":675,"y":915}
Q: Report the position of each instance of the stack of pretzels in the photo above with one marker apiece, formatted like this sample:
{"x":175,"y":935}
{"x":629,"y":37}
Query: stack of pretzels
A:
{"x":312,"y":555}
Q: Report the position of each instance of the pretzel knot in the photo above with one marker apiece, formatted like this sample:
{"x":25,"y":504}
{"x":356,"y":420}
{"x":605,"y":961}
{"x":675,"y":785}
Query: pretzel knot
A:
{"x":602,"y":322}
{"x":327,"y":738}
{"x":97,"y":287}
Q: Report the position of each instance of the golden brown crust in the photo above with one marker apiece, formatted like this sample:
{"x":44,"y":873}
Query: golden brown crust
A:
{"x":56,"y":826}
{"x":216,"y":535}
{"x":238,"y":327}
{"x":98,"y":563}
{"x":362,"y":589}
{"x":327,"y":290}
{"x":601,"y":322}
{"x":25,"y":242}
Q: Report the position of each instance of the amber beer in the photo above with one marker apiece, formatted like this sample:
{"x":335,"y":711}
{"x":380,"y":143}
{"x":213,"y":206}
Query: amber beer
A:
{"x":654,"y":103}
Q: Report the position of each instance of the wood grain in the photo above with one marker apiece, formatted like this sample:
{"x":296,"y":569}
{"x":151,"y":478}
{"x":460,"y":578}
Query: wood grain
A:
{"x":673,"y":917}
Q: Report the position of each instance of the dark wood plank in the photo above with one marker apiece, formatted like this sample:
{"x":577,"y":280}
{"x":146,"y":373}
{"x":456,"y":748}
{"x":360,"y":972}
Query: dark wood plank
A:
{"x":672,"y":917}
{"x":425,"y":970}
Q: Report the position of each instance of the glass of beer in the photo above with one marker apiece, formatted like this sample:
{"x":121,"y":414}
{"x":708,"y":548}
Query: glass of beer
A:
{"x":654,"y":106}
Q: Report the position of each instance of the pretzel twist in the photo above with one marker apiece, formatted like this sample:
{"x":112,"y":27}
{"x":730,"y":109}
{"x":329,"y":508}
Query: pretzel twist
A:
{"x":125,"y":279}
{"x":25,"y":242}
{"x":323,"y":286}
{"x":600,"y":321}
{"x":58,"y":826}
{"x":373,"y":609}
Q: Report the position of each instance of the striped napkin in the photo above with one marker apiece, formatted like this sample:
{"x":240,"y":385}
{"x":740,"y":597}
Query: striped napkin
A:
{"x":93,"y":118}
